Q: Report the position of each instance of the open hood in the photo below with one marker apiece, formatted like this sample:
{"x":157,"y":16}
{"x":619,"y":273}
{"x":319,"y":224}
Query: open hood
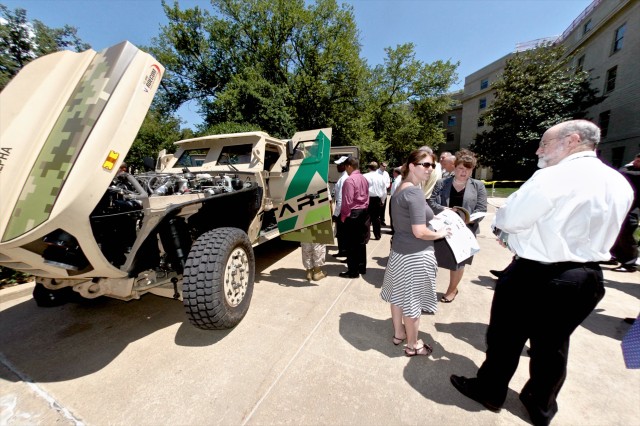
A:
{"x":67,"y":121}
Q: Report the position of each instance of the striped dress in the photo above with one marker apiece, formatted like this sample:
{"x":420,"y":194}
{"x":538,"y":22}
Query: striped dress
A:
{"x":410,"y":278}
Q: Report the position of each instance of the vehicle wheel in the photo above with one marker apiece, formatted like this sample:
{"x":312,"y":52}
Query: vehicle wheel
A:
{"x":46,"y":298}
{"x":218,"y":279}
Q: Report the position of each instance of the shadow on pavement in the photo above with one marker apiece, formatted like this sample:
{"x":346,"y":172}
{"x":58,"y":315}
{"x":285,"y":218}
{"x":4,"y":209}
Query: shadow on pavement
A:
{"x":484,"y":281}
{"x":630,"y":288}
{"x":606,"y":325}
{"x":365,"y":333}
{"x":77,"y":339}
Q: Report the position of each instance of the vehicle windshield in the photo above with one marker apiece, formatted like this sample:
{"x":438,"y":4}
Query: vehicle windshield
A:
{"x":193,"y":157}
{"x":235,"y":154}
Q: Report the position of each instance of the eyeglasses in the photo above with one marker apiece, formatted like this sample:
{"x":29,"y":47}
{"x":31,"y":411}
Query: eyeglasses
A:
{"x":425,"y":164}
{"x":544,"y":144}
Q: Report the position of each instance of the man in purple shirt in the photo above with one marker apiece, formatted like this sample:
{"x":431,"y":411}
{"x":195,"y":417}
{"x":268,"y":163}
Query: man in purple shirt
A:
{"x":354,"y":215}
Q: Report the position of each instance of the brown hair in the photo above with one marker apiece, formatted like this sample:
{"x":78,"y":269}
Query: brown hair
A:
{"x":416,"y":156}
{"x":466,"y":160}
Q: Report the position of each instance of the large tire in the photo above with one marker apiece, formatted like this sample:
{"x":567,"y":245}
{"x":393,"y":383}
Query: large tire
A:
{"x":46,"y":298}
{"x":218,"y":279}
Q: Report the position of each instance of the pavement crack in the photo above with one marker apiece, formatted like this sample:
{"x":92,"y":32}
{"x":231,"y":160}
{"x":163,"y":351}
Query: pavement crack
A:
{"x":53,"y":403}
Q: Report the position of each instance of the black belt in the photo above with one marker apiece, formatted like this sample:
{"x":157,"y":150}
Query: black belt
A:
{"x":566,"y":263}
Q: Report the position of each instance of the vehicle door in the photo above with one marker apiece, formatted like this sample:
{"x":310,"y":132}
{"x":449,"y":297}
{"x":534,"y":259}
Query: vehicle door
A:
{"x":305,"y":214}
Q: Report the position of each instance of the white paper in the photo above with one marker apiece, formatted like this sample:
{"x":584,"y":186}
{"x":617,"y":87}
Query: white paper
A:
{"x":477,"y":215}
{"x":462,"y":242}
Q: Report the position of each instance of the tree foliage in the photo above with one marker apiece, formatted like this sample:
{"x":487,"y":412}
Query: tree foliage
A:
{"x":295,"y":65}
{"x":279,"y":65}
{"x":156,"y":133}
{"x":538,"y":89}
{"x":22,"y":41}
{"x":407,"y":101}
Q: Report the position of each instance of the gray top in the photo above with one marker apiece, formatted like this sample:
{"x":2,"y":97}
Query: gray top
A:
{"x":409,"y":208}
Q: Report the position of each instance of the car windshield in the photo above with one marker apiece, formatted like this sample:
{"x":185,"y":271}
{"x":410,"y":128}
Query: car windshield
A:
{"x":235,"y":154}
{"x":193,"y":157}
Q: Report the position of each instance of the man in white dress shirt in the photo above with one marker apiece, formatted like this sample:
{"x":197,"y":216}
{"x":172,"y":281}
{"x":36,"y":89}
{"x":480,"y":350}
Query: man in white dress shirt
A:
{"x":387,"y":181}
{"x":377,"y":197}
{"x":559,"y":225}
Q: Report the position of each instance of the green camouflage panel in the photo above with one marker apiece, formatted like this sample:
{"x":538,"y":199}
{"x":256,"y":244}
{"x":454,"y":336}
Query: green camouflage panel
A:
{"x":320,"y":233}
{"x":68,"y":136}
{"x":308,"y":210}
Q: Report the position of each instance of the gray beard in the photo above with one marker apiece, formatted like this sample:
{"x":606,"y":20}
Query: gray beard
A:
{"x":542,"y":163}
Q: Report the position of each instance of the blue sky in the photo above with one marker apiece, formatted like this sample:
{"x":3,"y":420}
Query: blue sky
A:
{"x":473,"y":32}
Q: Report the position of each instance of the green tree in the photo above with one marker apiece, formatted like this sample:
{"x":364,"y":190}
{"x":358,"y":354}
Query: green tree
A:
{"x":157,"y":132}
{"x":21,"y":41}
{"x":280,"y":65}
{"x":539,"y":88}
{"x":408,"y":99}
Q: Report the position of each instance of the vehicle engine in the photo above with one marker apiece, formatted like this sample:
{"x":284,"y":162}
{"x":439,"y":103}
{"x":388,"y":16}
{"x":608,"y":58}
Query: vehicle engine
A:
{"x":121,"y":208}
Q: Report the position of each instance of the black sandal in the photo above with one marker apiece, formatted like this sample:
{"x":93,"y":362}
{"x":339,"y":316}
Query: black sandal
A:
{"x":425,"y":350}
{"x":445,"y":300}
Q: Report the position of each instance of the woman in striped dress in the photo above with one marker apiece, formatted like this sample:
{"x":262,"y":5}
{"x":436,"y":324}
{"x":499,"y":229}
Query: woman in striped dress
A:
{"x":410,"y":278}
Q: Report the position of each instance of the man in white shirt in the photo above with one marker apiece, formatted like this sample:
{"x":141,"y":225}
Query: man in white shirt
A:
{"x":448,"y":164}
{"x":342,"y":251}
{"x":387,"y":181}
{"x":377,"y":196}
{"x":559,"y":225}
{"x":397,"y":180}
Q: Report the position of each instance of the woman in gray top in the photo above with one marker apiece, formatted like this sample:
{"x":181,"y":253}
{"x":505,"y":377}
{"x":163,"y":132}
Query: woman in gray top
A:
{"x":410,"y":278}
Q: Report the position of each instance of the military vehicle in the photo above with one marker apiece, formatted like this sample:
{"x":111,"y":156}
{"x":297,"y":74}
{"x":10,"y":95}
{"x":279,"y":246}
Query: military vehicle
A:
{"x":185,"y":229}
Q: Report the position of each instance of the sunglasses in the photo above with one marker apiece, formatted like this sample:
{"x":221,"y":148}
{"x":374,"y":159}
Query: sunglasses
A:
{"x":425,"y":164}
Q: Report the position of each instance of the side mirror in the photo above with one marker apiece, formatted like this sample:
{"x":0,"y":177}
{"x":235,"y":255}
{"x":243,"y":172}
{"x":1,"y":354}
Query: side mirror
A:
{"x":290,"y":148}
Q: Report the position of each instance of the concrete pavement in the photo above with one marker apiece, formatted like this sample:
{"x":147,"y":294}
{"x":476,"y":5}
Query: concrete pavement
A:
{"x":316,"y":353}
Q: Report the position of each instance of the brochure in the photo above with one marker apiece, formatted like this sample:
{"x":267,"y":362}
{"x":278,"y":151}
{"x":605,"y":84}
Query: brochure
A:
{"x":466,"y":217}
{"x":462,"y":242}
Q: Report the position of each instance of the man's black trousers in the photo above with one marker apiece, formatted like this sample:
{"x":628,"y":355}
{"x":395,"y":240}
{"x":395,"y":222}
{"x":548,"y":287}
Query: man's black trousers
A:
{"x":543,"y":303}
{"x":375,"y":208}
{"x":356,"y":230}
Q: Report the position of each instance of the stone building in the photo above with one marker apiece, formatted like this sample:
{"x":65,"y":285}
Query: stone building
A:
{"x":607,"y":36}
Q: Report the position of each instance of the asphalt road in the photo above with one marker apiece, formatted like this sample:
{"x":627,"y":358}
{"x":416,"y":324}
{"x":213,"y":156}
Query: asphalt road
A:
{"x":316,"y":353}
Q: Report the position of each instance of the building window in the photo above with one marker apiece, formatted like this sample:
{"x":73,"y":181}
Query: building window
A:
{"x":604,"y":123}
{"x":451,"y":120}
{"x":450,"y":137}
{"x":611,"y":79}
{"x":482,"y":103}
{"x":587,"y":27}
{"x":580,"y":64}
{"x":484,"y":83}
{"x":619,"y":37}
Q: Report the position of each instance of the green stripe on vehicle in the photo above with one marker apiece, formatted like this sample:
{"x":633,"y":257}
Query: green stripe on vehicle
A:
{"x":67,"y":138}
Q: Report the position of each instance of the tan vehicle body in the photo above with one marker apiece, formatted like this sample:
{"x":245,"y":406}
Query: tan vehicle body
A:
{"x":71,"y":219}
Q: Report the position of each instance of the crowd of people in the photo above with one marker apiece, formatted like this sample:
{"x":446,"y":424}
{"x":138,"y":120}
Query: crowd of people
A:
{"x":572,"y":215}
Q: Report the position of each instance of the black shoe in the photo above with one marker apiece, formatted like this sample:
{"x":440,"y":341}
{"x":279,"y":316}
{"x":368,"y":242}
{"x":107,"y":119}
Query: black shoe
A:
{"x":463,"y":385}
{"x":536,"y":417}
{"x":363,"y":271}
{"x":339,"y":254}
{"x":348,"y":274}
{"x":497,"y":274}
